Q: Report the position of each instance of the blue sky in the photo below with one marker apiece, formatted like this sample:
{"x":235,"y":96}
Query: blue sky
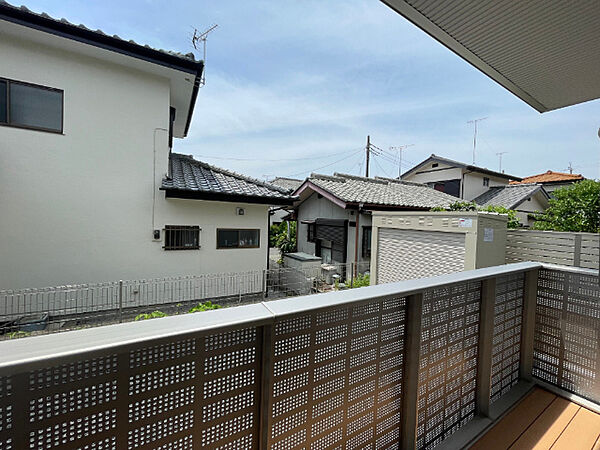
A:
{"x":296,"y":86}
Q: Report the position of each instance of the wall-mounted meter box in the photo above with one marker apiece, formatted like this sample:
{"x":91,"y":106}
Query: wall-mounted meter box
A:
{"x":409,"y":245}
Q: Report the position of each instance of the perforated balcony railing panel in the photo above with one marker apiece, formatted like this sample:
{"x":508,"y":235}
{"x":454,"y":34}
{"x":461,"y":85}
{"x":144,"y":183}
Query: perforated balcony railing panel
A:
{"x":181,"y":394}
{"x":506,"y":349}
{"x":337,"y":378}
{"x":448,"y":364}
{"x":567,"y":332}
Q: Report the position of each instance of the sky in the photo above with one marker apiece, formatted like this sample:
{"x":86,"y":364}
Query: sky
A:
{"x":295,"y":86}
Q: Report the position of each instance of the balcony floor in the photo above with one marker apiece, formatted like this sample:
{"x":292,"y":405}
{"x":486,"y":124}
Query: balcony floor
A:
{"x":543,"y":421}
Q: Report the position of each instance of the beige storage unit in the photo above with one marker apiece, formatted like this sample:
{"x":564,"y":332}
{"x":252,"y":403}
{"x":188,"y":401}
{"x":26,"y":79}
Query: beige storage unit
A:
{"x":416,"y":245}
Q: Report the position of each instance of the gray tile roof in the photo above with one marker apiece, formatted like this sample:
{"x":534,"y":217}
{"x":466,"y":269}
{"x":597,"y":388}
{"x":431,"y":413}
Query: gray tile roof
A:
{"x":188,"y":174}
{"x":381,"y":191}
{"x":290,"y":184}
{"x":24,"y":9}
{"x":509,"y":196}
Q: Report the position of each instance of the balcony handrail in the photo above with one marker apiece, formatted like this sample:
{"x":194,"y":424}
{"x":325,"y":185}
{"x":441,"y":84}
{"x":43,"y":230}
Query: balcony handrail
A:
{"x":36,"y":349}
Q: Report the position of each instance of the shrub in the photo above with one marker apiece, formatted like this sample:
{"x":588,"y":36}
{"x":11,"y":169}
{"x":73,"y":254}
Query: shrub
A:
{"x":206,"y":306}
{"x":361,"y":281}
{"x":152,"y":315}
{"x":513,"y":220}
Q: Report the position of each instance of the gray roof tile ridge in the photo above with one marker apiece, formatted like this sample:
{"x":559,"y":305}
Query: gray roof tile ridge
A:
{"x":319,"y":176}
{"x":230,"y":173}
{"x":359,"y":178}
{"x":397,"y":181}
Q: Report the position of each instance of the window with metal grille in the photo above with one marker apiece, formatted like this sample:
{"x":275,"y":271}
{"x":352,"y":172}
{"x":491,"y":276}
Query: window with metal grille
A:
{"x":31,"y":106}
{"x":486,"y":181}
{"x":182,"y":237}
{"x":231,"y":238}
{"x":366,"y":242}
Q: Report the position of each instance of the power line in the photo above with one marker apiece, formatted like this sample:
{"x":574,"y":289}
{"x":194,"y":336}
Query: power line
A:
{"x":327,"y":165}
{"x":382,"y":169}
{"x":275,"y":160}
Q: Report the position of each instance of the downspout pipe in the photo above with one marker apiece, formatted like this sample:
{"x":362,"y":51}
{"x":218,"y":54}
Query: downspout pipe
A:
{"x":360,"y":207}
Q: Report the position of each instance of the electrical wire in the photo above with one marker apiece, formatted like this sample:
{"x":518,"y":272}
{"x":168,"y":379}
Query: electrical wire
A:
{"x":274,"y":160}
{"x":382,"y":169}
{"x":326,"y":165}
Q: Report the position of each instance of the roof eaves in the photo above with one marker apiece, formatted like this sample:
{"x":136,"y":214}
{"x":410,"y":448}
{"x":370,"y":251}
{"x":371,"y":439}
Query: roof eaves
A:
{"x":63,"y":28}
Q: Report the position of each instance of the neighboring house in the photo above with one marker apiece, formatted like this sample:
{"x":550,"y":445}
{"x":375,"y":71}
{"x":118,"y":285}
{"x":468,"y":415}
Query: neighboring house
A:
{"x":460,"y":180}
{"x":552,"y":180}
{"x":334,"y":212}
{"x":279,"y":214}
{"x":525,"y":199}
{"x":89,"y":188}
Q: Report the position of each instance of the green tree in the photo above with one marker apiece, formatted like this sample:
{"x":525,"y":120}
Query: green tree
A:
{"x":573,"y":208}
{"x":284,"y":241}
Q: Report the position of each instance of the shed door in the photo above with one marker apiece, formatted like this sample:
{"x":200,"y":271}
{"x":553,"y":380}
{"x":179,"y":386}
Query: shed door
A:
{"x":409,"y":254}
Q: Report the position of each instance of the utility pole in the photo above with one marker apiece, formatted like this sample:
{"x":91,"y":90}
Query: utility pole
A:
{"x":368,"y":153}
{"x":400,"y":148}
{"x":499,"y":155}
{"x":474,"y":122}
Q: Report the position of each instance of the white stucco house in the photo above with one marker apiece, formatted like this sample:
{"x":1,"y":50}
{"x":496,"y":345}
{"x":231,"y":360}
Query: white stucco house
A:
{"x":90,"y":189}
{"x":525,"y":199}
{"x":334,"y":212}
{"x":464,"y":181}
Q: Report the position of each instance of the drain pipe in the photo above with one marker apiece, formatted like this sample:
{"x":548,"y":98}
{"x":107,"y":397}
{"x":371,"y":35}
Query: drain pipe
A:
{"x":355,"y":269}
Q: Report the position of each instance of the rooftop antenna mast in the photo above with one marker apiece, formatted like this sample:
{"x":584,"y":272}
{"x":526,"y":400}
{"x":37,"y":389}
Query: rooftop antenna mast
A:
{"x":196,"y":39}
{"x":499,"y":155}
{"x":474,"y":122}
{"x":400,"y":148}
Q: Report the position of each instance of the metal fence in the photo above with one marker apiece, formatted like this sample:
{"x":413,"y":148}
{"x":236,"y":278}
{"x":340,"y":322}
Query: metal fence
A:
{"x":61,"y":307}
{"x":414,"y":364}
{"x":553,"y":247}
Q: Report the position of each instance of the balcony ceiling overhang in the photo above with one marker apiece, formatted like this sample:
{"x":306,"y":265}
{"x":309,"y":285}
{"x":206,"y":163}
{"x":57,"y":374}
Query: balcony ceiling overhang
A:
{"x":546,"y":52}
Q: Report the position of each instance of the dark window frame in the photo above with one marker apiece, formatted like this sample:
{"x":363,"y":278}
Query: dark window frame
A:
{"x":170,"y":233}
{"x":486,"y":181}
{"x":311,"y":232}
{"x":238,"y":246}
{"x":366,"y":243}
{"x":10,"y":81}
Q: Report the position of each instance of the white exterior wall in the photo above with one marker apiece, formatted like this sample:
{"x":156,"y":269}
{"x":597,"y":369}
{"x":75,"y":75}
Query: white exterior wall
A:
{"x":535,"y":203}
{"x":315,"y":208}
{"x":442,"y":172}
{"x":80,"y":207}
{"x":473,"y":184}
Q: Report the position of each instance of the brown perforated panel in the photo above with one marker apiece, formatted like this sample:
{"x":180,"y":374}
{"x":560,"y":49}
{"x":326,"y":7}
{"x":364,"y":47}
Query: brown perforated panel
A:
{"x":195,"y":392}
{"x":448,"y":364}
{"x":567,"y":332}
{"x":337,"y":378}
{"x":506,"y":349}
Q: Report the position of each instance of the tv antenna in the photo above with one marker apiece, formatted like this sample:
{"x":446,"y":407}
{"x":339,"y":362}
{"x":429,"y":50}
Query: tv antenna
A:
{"x":400,"y":148}
{"x":196,"y":39}
{"x":499,"y":155}
{"x":474,"y":122}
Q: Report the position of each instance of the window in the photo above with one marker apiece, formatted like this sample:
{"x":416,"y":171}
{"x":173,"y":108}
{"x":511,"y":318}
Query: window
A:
{"x":434,"y":165}
{"x":31,"y":106}
{"x":311,"y":232}
{"x":182,"y":237}
{"x":486,"y":181}
{"x":366,"y":242}
{"x":227,"y":238}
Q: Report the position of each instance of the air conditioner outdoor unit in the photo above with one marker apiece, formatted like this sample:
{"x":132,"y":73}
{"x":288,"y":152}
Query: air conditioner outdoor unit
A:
{"x":409,"y":245}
